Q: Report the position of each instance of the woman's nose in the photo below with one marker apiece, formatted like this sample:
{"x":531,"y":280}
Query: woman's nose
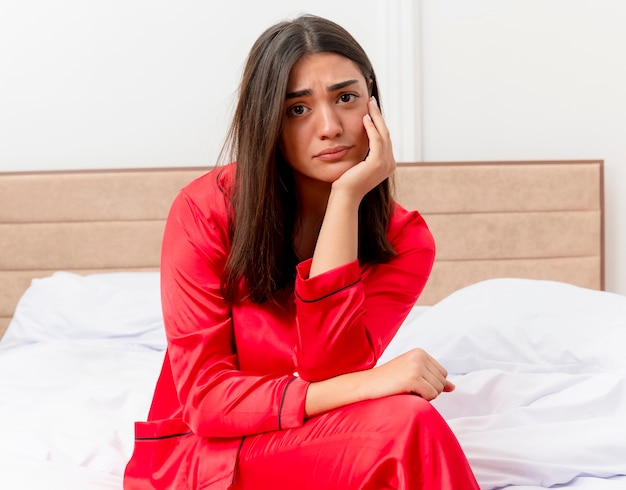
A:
{"x":329,"y":122}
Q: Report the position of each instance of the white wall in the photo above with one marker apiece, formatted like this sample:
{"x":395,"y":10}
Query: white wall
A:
{"x":531,"y":79}
{"x":134,"y":83}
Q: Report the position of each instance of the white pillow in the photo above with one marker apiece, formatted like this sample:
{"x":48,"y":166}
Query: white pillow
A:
{"x":523,"y":325}
{"x":119,"y":305}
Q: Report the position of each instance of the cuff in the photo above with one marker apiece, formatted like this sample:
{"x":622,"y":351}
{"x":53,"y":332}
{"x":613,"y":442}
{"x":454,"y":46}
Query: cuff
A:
{"x":324,"y":285}
{"x":291,"y":412}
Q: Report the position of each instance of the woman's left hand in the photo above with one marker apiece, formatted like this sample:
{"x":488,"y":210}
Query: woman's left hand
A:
{"x":338,"y":239}
{"x":379,"y":162}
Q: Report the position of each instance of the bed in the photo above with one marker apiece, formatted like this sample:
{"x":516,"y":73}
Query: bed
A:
{"x":515,"y":310}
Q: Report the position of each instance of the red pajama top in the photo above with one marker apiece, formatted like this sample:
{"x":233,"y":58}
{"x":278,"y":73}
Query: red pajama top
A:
{"x":236,"y":370}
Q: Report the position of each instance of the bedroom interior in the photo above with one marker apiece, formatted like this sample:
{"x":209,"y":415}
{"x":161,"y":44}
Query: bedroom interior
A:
{"x":514,"y":309}
{"x":508,"y":119}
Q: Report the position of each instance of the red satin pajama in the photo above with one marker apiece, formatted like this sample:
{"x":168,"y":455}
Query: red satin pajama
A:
{"x":400,"y":442}
{"x":228,"y":408}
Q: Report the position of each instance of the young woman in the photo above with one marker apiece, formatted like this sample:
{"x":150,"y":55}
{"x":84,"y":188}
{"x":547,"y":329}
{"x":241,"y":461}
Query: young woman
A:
{"x":284,"y":277}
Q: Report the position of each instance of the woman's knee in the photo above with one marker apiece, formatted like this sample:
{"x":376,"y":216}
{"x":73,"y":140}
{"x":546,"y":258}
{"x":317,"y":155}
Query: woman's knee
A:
{"x":409,"y":426}
{"x":405,"y":411}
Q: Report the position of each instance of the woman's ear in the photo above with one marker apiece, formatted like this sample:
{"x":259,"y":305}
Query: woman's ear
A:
{"x":371,"y":86}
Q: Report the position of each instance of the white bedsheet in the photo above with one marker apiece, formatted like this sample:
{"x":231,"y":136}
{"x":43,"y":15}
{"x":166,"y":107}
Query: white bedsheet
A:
{"x":581,"y":483}
{"x":72,"y":404}
{"x":539,"y":429}
{"x":540,"y":371}
{"x":20,"y":473}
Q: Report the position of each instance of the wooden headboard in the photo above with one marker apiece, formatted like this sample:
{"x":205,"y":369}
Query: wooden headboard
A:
{"x":540,"y":220}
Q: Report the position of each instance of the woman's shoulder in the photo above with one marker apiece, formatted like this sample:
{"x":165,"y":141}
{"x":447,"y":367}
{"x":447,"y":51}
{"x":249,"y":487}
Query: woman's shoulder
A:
{"x":216,"y":181}
{"x":211,"y":191}
{"x":402,"y":217}
{"x":409,"y":226}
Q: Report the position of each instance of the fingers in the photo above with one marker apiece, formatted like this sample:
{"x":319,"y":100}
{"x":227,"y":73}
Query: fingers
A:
{"x":377,"y":131}
{"x":377,"y":119}
{"x":375,"y":128}
{"x":449,"y":386}
{"x":431,"y":377}
{"x":372,"y":132}
{"x":414,"y":371}
{"x":374,"y":137}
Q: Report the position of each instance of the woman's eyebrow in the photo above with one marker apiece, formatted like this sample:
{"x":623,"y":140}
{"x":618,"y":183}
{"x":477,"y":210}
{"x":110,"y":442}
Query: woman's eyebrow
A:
{"x":299,"y":93}
{"x":340,"y":85}
{"x":330,"y":88}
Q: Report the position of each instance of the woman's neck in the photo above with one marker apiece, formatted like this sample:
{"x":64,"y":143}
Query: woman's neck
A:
{"x":312,"y":197}
{"x":312,"y":202}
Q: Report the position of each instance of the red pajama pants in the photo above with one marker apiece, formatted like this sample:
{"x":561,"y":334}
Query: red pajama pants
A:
{"x":399,"y":442}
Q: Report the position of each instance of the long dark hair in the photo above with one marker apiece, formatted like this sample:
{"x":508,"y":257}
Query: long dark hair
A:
{"x":264,"y":196}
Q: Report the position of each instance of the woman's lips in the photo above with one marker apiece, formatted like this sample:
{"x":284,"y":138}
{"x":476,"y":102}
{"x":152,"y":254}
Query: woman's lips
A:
{"x":333,"y":154}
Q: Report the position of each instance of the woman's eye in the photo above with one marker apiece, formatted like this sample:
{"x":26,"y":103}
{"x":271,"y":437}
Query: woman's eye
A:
{"x":297,"y":110}
{"x":347,"y":97}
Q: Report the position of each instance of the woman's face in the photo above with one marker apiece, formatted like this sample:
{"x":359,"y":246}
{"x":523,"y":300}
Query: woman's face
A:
{"x":323,"y":133}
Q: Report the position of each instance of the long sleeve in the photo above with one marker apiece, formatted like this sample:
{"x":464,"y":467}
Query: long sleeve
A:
{"x":217,"y":398}
{"x":347,"y":316}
